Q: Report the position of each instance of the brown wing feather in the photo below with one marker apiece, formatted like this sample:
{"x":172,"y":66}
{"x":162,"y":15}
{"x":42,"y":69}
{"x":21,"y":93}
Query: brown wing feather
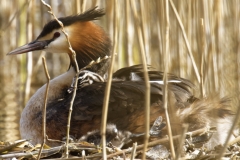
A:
{"x":126,"y":108}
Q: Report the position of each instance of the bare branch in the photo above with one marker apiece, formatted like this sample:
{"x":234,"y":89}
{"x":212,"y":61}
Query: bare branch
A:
{"x":44,"y":108}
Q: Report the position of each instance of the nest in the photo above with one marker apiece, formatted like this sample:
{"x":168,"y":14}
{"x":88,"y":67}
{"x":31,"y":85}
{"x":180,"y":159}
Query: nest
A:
{"x":190,"y":145}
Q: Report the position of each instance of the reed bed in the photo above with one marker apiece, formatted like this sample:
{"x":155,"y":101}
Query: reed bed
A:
{"x":202,"y":45}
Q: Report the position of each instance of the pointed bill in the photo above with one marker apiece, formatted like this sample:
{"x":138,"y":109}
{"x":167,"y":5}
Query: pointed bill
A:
{"x":33,"y":46}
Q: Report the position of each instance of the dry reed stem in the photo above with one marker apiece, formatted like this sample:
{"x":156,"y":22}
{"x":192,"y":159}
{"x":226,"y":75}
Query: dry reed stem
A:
{"x":83,"y":5}
{"x":76,"y":76}
{"x":165,"y":80}
{"x":44,"y":108}
{"x":210,"y":24}
{"x":130,"y":34}
{"x":161,"y":15}
{"x":29,"y":55}
{"x":186,"y":41}
{"x":182,"y":140}
{"x":146,"y":78}
{"x":144,"y":26}
{"x":202,"y":86}
{"x":78,"y":8}
{"x":108,"y":85}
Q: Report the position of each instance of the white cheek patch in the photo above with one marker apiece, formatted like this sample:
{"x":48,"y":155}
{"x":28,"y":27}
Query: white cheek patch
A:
{"x":59,"y":45}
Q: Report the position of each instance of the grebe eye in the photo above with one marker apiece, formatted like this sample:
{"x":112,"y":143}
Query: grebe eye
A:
{"x":56,"y":35}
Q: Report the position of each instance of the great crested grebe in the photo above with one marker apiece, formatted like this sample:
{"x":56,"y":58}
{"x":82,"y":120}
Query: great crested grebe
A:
{"x":126,"y":104}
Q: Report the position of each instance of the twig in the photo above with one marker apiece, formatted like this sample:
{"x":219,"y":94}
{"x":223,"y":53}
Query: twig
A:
{"x":16,"y":143}
{"x":83,"y":155}
{"x":44,"y":108}
{"x":133,"y":150}
{"x":48,"y":152}
{"x":146,"y":78}
{"x":165,"y":80}
{"x":31,"y":154}
{"x":186,"y":41}
{"x":108,"y":85}
{"x":76,"y":76}
{"x":236,"y":140}
{"x":54,"y":140}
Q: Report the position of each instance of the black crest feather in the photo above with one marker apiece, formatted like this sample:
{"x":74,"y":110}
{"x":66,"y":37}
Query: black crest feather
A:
{"x":89,"y":15}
